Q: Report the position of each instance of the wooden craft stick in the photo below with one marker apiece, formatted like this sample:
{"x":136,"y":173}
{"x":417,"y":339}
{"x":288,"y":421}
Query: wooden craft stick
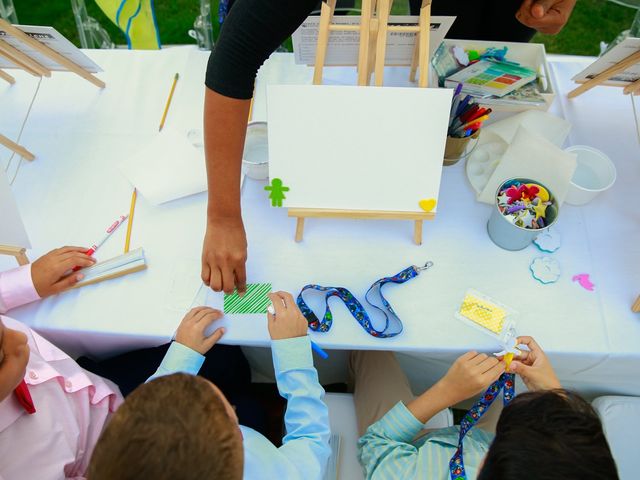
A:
{"x":381,"y":44}
{"x":17,"y":252}
{"x":423,"y":39}
{"x":166,"y":107}
{"x":50,"y":53}
{"x":19,"y":149}
{"x":606,"y":75}
{"x":23,"y":60}
{"x":326,"y":14}
{"x":636,"y":306}
{"x":127,"y":241}
{"x":5,"y":76}
{"x":121,"y":273}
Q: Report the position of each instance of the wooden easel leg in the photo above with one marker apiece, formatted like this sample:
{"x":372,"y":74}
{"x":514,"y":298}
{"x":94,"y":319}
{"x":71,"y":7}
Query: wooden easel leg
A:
{"x":365,"y":38}
{"x":414,"y":60}
{"x":423,"y":41}
{"x":636,"y":306}
{"x":299,"y":229}
{"x":326,"y":14}
{"x":19,"y":149}
{"x":17,"y":252}
{"x":7,"y":77}
{"x":417,"y":232}
{"x":606,"y":75}
{"x":632,"y":88}
{"x":381,"y":40}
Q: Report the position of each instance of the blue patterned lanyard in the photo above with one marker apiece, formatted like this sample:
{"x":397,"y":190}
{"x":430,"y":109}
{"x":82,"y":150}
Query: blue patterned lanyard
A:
{"x":223,"y":10}
{"x":505,"y":383}
{"x":374,"y":294}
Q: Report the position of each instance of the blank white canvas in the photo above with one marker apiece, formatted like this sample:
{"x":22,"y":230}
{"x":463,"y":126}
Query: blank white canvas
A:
{"x":12,"y":231}
{"x":357,"y":148}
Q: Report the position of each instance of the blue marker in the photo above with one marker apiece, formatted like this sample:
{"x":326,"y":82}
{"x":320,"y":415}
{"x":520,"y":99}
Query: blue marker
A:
{"x":314,"y":346}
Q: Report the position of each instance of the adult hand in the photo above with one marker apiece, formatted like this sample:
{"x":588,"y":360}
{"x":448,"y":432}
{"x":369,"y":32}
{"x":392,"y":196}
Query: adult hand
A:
{"x":470,"y":374}
{"x":224,"y":255}
{"x":534,"y":367}
{"x":288,"y":322}
{"x":546,"y":16}
{"x":52,"y":273}
{"x":190,"y":333}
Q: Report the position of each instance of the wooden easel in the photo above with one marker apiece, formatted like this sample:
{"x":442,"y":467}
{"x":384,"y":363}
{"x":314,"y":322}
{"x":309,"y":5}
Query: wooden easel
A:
{"x":373,"y":28}
{"x":24,"y":62}
{"x":636,"y":306}
{"x":610,"y":72}
{"x":17,"y":252}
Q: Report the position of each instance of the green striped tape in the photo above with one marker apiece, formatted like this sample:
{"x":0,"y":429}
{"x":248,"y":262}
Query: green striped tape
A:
{"x":255,"y":299}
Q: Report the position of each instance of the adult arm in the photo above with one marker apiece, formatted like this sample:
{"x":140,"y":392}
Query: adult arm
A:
{"x":251,"y":32}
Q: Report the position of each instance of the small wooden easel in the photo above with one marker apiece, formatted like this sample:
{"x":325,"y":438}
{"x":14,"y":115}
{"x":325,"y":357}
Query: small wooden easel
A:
{"x":17,"y":252}
{"x":373,"y":30}
{"x":610,"y":72}
{"x":24,"y":62}
{"x":636,"y":306}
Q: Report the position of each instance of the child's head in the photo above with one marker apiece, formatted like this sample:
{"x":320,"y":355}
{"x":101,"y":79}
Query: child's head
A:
{"x":549,"y":435}
{"x":14,"y":356}
{"x":178,"y":426}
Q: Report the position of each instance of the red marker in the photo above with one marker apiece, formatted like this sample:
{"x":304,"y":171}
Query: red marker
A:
{"x":114,"y":226}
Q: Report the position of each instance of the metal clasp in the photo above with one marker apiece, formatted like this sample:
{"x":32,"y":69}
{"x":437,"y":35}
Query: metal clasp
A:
{"x":426,"y":266}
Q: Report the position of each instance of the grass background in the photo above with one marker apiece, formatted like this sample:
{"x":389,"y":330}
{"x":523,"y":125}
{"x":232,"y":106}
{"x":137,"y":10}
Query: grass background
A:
{"x":592,"y":21}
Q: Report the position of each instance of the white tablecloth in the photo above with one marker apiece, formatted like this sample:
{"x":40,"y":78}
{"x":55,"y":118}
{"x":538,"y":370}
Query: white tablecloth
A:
{"x":74,"y":189}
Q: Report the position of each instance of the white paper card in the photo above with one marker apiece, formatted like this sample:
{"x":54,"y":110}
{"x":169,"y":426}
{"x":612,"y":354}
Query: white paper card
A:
{"x":624,"y":49}
{"x":12,"y":231}
{"x":53,"y":39}
{"x":343,"y":47}
{"x":167,"y":168}
{"x":357,"y":148}
{"x":532,"y":156}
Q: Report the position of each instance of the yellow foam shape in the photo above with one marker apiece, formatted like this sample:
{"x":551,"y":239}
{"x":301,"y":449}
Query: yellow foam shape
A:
{"x":428,"y":204}
{"x":483,"y":313}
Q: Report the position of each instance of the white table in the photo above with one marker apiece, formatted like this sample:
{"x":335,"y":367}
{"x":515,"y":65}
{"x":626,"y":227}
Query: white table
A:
{"x":74,"y":189}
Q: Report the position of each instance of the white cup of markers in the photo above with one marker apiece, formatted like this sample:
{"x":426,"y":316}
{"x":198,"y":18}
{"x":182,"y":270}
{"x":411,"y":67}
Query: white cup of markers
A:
{"x":466,"y":116}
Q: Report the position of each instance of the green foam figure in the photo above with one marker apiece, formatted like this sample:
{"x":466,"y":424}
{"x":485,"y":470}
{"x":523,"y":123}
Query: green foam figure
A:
{"x":277,"y":192}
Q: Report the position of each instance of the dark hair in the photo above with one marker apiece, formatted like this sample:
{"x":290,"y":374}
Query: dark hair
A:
{"x":549,"y":435}
{"x":174,"y":427}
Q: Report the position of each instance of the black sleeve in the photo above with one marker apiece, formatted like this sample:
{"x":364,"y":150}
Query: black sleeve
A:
{"x":252,"y":30}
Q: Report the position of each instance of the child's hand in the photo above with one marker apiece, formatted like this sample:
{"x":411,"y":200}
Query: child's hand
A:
{"x":190,"y":333}
{"x":52,"y":273}
{"x":288,"y":322}
{"x":534,"y":367}
{"x":470,"y":374}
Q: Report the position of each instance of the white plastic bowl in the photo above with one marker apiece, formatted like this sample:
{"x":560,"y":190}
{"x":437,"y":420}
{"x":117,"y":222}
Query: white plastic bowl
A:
{"x":594,"y":174}
{"x":255,"y":158}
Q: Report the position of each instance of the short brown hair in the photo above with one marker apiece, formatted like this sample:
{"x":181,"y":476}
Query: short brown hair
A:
{"x":174,"y":427}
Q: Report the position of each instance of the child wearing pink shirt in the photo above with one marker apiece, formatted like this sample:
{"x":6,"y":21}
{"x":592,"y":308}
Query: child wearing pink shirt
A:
{"x":51,"y":410}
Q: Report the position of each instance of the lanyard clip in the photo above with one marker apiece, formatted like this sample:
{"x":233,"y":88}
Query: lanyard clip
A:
{"x":426,"y":266}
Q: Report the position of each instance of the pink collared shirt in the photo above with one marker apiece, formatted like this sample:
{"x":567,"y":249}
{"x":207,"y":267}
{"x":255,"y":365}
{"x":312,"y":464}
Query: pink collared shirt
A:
{"x":72,"y":405}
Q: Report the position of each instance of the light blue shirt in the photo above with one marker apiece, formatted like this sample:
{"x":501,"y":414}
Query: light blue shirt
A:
{"x":305,"y":447}
{"x":388,"y":450}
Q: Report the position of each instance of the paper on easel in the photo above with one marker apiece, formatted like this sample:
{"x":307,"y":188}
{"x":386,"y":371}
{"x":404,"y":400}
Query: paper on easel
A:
{"x":357,"y":148}
{"x":532,"y":156}
{"x":12,"y":231}
{"x":53,"y":39}
{"x":343,"y":46}
{"x":167,"y":168}
{"x":624,"y":49}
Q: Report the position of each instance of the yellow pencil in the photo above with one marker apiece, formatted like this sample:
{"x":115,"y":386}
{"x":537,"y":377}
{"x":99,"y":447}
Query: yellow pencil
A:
{"x":166,"y":107}
{"x":130,"y":224}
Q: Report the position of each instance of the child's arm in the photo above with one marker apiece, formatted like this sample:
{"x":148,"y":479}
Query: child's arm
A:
{"x":186,"y":352}
{"x":50,"y":274}
{"x":386,"y":451}
{"x":306,"y":443}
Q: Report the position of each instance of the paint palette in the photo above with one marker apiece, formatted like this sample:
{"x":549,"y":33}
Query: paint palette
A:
{"x":486,"y":78}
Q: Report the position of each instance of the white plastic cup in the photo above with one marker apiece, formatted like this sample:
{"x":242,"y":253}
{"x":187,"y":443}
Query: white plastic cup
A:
{"x":595,"y":173}
{"x":255,"y":157}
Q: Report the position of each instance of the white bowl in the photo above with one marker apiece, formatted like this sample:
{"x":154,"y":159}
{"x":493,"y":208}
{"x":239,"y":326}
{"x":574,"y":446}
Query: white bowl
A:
{"x":595,"y":173}
{"x":255,"y":157}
